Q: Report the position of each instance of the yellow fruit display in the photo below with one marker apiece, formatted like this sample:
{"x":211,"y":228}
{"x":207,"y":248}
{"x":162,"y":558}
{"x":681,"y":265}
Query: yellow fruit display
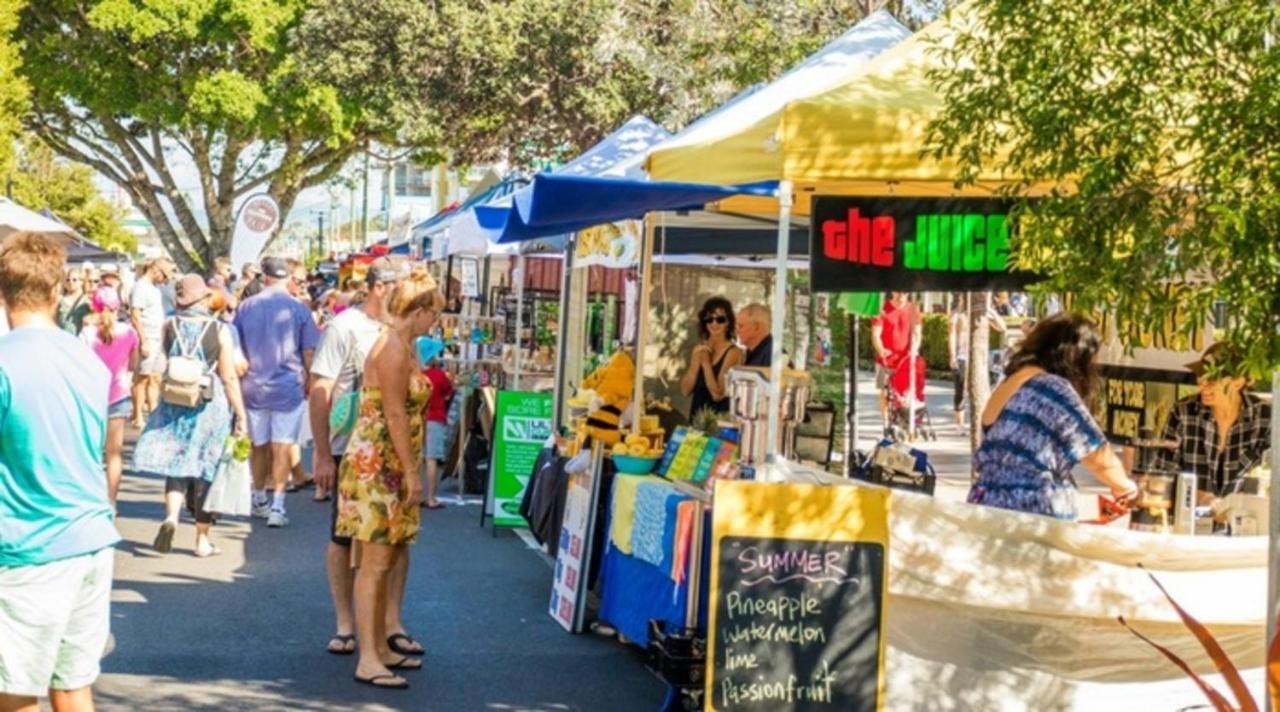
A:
{"x":621,"y":449}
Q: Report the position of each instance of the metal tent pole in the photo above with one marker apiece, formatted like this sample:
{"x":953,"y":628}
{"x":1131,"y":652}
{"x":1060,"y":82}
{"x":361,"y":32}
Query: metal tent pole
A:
{"x":1273,"y":571}
{"x":779,"y":317}
{"x":851,"y":409}
{"x":562,"y":352}
{"x":519,"y":278}
{"x":642,"y":325}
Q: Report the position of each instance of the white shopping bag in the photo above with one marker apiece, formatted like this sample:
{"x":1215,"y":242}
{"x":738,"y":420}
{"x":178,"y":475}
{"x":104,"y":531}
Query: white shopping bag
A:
{"x":229,"y":494}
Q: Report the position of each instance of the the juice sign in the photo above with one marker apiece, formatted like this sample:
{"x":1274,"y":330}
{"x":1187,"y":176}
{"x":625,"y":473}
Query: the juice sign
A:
{"x":912,"y":244}
{"x":942,"y":242}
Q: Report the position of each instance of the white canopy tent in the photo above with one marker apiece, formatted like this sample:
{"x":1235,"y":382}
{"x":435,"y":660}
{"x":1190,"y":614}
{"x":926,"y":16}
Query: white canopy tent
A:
{"x":15,"y":218}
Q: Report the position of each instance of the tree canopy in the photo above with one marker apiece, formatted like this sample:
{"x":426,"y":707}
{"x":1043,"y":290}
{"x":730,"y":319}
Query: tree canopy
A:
{"x":13,"y":90}
{"x":41,"y":180}
{"x":277,"y":95}
{"x":134,"y":89}
{"x":1158,"y":123}
{"x":538,"y":81}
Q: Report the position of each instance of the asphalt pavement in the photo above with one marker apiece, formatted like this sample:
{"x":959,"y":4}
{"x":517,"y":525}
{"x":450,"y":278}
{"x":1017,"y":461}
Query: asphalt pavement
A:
{"x":247,"y":629}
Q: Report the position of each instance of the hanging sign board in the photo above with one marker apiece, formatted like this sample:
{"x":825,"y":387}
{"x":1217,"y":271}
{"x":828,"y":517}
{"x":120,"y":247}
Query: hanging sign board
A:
{"x":1141,"y":384}
{"x":798,"y":586}
{"x":470,"y":271}
{"x":521,"y":427}
{"x":615,"y":245}
{"x":569,"y":587}
{"x":911,"y":245}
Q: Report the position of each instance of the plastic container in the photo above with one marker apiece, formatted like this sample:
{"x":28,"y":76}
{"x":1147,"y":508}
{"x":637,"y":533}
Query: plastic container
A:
{"x":631,"y":465}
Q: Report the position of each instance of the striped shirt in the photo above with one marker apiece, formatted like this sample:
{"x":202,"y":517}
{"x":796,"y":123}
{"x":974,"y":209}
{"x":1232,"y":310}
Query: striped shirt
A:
{"x":1027,"y":454}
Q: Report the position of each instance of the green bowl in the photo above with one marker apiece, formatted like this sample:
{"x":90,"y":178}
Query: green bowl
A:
{"x":632,"y":465}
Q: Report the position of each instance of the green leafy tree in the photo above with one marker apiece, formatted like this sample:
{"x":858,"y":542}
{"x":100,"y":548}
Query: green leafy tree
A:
{"x":1159,"y":124}
{"x":538,"y":81}
{"x":699,"y":53}
{"x":256,"y":95}
{"x":528,"y":81}
{"x":13,"y":90}
{"x":41,"y":180}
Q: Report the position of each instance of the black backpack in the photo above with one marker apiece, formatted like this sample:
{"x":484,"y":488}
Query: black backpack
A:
{"x":475,"y":462}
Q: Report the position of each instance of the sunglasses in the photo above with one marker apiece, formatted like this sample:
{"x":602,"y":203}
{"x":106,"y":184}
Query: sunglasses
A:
{"x":716,"y":320}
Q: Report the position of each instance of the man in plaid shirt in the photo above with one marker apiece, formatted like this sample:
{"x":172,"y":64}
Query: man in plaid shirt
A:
{"x":1224,"y":431}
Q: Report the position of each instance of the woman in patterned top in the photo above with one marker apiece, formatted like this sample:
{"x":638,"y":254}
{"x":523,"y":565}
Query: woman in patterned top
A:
{"x":1037,"y":426}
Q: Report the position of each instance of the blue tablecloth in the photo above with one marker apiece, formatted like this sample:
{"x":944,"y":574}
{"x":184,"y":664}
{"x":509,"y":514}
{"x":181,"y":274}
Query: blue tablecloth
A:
{"x":634,"y":592}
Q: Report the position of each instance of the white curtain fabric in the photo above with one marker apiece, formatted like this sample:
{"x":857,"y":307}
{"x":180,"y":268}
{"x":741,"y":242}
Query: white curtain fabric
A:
{"x":986,"y":604}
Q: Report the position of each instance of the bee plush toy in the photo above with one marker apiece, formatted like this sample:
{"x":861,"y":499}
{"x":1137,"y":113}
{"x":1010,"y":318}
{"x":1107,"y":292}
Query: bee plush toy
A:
{"x":613,"y":383}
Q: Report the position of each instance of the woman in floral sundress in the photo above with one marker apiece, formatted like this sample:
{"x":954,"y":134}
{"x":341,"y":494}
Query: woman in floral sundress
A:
{"x":379,"y":482}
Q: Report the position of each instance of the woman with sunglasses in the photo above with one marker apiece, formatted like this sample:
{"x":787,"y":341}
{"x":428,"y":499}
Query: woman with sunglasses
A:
{"x":74,"y":306}
{"x":705,"y":380}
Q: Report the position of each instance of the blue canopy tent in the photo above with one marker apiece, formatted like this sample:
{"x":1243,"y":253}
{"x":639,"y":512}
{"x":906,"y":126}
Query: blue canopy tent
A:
{"x":557,"y":204}
{"x":426,"y":232}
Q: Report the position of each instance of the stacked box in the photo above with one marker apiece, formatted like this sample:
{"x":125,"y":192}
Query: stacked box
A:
{"x":673,"y":446}
{"x":709,"y":454}
{"x":687,"y":458}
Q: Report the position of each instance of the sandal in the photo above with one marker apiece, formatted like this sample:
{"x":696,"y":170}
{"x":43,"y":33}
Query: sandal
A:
{"x":405,"y":664}
{"x":405,"y":645}
{"x":437,"y":505}
{"x":206,"y":553}
{"x":398,"y":683}
{"x":346,"y":645}
{"x":164,"y":538}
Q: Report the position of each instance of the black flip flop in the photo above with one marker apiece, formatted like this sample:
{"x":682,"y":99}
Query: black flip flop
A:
{"x":344,"y":640}
{"x":405,"y":663}
{"x":394,"y":642}
{"x":373,"y":681}
{"x":437,"y":505}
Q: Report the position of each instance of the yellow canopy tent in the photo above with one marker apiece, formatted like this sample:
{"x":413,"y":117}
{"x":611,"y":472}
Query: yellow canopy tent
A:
{"x":864,"y":136}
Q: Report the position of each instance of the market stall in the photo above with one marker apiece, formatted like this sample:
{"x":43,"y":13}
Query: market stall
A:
{"x":955,"y":591}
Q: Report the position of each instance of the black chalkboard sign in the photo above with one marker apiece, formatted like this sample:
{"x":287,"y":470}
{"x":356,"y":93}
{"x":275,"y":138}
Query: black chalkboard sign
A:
{"x":874,"y":244}
{"x":798,"y":625}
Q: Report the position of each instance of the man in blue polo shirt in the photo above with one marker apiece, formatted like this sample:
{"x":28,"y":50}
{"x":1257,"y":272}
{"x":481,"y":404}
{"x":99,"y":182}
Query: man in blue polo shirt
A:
{"x":57,"y":525}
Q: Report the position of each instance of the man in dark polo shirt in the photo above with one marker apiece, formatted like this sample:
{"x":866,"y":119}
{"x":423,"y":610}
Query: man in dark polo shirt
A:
{"x":753,"y":330}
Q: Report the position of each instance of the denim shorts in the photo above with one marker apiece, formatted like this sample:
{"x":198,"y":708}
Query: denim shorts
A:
{"x":120,"y":409}
{"x":435,"y":447}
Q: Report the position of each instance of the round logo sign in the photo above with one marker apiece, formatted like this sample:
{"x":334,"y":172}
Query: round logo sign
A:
{"x":261,"y":214}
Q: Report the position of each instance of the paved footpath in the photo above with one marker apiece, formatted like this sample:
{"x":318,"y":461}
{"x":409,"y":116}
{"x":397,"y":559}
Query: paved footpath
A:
{"x":247,"y":629}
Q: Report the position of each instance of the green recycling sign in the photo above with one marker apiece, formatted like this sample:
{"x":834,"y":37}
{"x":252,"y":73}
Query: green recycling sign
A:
{"x":522,"y":426}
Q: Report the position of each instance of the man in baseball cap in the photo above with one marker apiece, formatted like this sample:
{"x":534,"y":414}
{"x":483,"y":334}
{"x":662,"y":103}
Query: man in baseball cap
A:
{"x":278,"y":337}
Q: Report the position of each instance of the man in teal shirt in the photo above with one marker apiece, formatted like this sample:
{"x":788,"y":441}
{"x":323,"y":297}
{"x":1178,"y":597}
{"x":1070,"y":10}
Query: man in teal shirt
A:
{"x":57,"y":527}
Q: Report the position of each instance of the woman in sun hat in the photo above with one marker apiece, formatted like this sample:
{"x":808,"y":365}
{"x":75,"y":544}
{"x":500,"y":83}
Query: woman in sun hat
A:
{"x":184,"y":443}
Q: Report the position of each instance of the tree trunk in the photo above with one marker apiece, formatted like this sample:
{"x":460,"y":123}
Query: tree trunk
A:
{"x":977,"y":382}
{"x":218,"y":244}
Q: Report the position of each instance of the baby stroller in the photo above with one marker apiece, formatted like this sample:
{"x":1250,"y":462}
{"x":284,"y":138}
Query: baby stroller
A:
{"x":905,"y":395}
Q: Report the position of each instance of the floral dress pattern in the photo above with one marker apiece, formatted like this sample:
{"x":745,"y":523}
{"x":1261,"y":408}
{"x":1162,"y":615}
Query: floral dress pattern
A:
{"x":371,"y":491}
{"x":187,"y":442}
{"x":1027,"y":454}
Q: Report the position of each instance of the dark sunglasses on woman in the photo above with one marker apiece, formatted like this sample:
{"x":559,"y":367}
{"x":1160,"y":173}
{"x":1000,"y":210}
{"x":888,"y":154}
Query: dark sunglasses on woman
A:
{"x":716,"y":320}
